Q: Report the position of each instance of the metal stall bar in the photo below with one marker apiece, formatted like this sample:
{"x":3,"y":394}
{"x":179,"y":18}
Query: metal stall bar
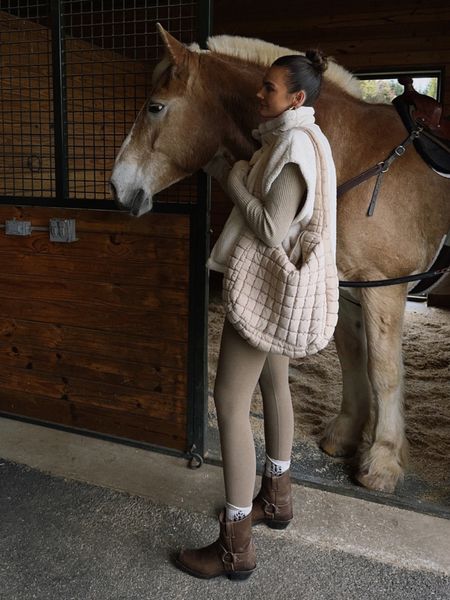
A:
{"x":27,"y":173}
{"x":199,"y":293}
{"x":59,"y":103}
{"x":92,"y":74}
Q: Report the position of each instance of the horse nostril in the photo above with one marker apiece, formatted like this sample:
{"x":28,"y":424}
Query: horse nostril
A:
{"x":136,"y":203}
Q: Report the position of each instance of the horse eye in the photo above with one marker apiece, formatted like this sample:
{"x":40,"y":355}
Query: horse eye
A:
{"x":155,"y":107}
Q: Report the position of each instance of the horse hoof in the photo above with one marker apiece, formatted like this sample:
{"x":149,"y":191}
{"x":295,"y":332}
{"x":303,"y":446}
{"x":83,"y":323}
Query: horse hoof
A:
{"x":337,"y":449}
{"x":381,"y":466}
{"x":341,"y":437}
{"x":379,"y":482}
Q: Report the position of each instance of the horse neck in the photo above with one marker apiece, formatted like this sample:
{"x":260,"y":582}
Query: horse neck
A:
{"x":360,"y":133}
{"x":233,"y":85}
{"x":350,"y":124}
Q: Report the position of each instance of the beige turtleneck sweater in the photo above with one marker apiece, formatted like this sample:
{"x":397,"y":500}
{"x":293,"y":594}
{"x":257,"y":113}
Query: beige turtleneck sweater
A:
{"x":275,"y":191}
{"x":271,"y":217}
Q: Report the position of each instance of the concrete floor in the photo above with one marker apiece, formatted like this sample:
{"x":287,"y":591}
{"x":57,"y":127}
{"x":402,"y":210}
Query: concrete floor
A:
{"x":95,"y":519}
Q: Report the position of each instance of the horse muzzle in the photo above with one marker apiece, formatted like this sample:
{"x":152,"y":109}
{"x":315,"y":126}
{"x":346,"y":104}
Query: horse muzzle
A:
{"x":137,"y":202}
{"x":140,"y":203}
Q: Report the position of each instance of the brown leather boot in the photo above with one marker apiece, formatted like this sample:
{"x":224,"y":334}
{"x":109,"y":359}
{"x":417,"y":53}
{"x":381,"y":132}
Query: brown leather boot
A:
{"x":273,"y":504}
{"x":233,"y":554}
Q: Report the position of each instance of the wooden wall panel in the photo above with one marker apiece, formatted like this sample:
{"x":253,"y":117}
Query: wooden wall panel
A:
{"x":94,"y":334}
{"x":360,"y":35}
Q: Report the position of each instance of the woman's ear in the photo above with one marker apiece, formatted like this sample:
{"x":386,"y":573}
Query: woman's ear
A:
{"x":299,"y":99}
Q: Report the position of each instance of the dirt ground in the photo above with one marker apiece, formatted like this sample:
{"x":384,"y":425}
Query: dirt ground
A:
{"x":316,"y":388}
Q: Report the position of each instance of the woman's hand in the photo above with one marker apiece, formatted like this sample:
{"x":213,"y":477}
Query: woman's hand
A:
{"x":239,"y":172}
{"x":218,"y":167}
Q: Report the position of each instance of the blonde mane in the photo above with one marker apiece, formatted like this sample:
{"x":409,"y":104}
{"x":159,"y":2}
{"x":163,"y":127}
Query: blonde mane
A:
{"x":265,"y":53}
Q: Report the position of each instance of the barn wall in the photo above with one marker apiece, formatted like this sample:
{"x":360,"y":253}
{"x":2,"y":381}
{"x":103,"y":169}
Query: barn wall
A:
{"x":360,"y":35}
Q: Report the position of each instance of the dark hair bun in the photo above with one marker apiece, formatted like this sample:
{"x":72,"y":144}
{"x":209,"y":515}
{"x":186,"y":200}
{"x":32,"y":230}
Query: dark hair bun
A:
{"x":318,"y":60}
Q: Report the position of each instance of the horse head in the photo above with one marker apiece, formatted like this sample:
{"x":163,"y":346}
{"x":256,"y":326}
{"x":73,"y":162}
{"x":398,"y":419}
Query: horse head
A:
{"x":202,"y":102}
{"x":174,"y":134}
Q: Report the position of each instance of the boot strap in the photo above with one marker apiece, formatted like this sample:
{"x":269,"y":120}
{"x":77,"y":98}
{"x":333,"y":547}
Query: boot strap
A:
{"x":270,"y":509}
{"x":229,"y":559}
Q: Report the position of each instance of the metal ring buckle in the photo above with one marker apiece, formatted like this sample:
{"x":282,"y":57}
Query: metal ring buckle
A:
{"x":270,"y":509}
{"x":383,"y":168}
{"x":228,"y":558}
{"x":400,"y":150}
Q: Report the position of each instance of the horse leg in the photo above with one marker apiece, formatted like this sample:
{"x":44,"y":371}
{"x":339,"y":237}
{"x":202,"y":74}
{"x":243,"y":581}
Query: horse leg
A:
{"x":382,"y":462}
{"x":343,"y":434}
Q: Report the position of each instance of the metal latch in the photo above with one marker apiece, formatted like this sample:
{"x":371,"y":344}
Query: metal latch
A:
{"x":14,"y":227}
{"x":62,"y":230}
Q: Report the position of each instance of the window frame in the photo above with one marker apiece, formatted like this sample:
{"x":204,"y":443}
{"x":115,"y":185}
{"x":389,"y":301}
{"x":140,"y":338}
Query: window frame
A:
{"x":394,"y":73}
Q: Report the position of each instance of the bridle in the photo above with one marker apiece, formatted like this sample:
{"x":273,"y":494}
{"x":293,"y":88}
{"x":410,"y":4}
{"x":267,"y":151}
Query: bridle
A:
{"x":379,"y":170}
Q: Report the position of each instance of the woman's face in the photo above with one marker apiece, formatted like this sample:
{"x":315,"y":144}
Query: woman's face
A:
{"x":274,"y":95}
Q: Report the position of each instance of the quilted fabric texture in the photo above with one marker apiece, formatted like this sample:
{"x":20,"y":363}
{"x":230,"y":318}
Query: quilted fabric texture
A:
{"x":280,"y":305}
{"x":276,"y":306}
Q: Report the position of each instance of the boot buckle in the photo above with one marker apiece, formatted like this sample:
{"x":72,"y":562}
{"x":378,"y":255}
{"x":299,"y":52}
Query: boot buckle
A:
{"x":270,"y":509}
{"x":228,"y":560}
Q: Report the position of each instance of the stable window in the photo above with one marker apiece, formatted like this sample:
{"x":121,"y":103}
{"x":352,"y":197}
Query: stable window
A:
{"x":384,"y":86}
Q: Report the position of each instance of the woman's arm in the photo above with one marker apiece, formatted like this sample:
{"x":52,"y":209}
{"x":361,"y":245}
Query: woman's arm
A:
{"x":219,"y":168}
{"x":271,"y":218}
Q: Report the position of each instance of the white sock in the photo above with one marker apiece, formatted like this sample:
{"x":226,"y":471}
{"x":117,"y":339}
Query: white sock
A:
{"x":236,"y":513}
{"x":275,"y":468}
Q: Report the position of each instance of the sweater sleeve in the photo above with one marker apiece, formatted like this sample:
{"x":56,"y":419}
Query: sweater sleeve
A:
{"x":271,"y":218}
{"x":219,"y":168}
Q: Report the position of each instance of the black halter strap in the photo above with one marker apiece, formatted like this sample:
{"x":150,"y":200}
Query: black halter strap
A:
{"x":379,"y":169}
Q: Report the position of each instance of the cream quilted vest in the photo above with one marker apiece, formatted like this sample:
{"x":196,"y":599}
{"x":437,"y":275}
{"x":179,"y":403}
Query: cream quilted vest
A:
{"x":285,"y":299}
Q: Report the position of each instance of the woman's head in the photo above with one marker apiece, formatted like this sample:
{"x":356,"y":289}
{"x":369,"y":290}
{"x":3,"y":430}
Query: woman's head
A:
{"x":290,"y":82}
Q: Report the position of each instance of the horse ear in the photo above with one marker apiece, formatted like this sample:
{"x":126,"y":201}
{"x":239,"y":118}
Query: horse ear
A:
{"x":175,"y":49}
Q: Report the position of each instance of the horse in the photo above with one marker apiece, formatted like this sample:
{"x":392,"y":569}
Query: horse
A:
{"x":203,"y":102}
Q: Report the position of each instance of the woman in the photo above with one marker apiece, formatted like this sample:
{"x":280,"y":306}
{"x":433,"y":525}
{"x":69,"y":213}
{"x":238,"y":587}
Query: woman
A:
{"x":273,"y":212}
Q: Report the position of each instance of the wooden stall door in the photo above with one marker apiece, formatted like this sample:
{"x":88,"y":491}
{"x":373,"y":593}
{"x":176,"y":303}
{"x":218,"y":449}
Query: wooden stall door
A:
{"x":93,"y":334}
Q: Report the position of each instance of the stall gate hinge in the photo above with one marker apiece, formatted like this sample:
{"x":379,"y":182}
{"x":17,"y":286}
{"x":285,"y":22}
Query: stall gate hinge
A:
{"x":14,"y":227}
{"x":60,"y":230}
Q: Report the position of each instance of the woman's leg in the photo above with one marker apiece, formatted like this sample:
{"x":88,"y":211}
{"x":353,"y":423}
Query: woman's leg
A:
{"x":278,"y":410}
{"x":238,"y":371}
{"x":273,"y":504}
{"x":233,"y":553}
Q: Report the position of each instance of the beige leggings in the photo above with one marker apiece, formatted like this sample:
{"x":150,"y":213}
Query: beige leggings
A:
{"x":239,"y":368}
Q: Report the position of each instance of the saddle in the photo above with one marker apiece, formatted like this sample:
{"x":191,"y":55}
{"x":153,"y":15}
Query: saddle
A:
{"x":420,"y":111}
